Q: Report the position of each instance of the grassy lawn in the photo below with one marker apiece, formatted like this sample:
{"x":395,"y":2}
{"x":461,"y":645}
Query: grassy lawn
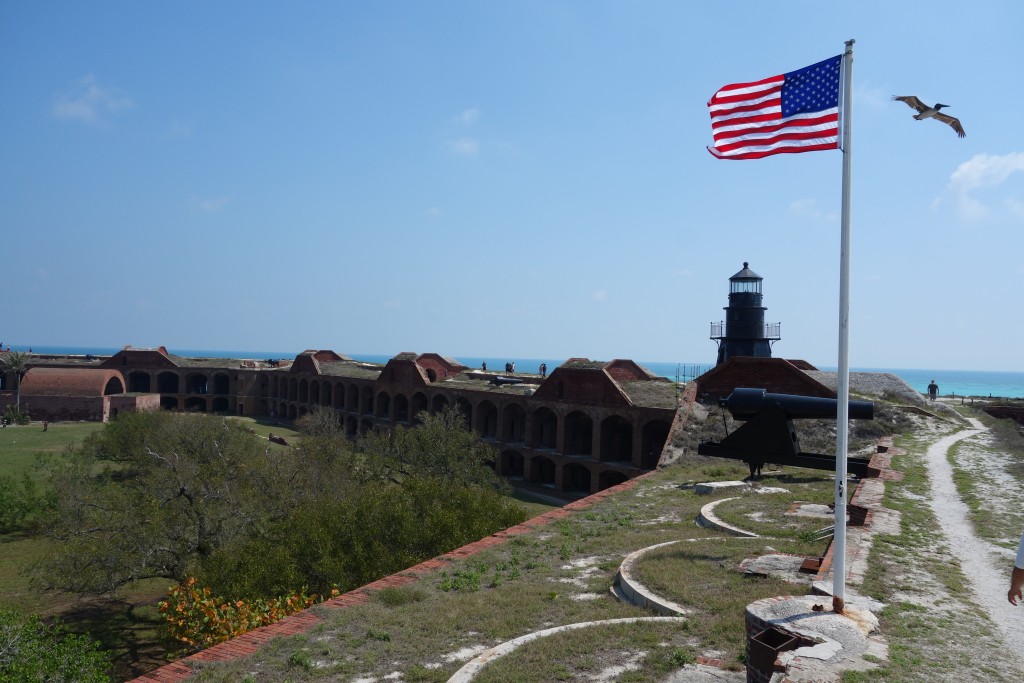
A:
{"x":20,"y":444}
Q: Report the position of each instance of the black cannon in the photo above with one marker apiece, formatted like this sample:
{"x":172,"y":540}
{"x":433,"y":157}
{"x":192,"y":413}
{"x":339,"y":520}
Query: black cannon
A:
{"x":768,"y":435}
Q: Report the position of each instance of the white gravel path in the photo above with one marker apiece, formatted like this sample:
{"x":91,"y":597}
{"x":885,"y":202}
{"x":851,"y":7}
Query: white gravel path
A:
{"x":986,"y":566}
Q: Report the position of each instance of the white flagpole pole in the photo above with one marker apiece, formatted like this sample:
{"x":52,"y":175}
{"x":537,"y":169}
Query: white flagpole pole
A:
{"x":843,"y":375}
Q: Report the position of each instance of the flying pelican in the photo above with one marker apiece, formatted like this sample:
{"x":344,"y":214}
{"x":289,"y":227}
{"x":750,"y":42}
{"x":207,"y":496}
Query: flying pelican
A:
{"x":926,"y":112}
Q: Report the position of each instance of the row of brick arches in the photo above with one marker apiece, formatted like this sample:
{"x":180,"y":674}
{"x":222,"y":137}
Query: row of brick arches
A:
{"x":598,"y":434}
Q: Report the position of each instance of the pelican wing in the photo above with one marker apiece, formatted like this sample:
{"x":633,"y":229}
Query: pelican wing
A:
{"x":912,"y":102}
{"x":952,"y":122}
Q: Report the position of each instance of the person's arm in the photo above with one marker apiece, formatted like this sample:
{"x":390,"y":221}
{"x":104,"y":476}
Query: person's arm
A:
{"x":1017,"y":577}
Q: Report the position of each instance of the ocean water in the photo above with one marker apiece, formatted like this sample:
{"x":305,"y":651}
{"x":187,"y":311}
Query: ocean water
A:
{"x":951,"y":382}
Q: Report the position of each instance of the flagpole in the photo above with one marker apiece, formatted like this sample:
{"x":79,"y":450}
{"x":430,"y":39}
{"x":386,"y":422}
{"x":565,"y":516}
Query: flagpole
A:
{"x":843,"y":375}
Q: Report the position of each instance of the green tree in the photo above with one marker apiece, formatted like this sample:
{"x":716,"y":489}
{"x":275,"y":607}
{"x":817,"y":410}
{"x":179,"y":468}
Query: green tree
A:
{"x":155,"y":493}
{"x":17,"y":501}
{"x":16,"y":362}
{"x":440,"y":446}
{"x":33,"y":651}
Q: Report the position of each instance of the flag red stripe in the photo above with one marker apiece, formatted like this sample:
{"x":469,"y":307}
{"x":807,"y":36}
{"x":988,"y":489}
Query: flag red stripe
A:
{"x":778,"y":150}
{"x":761,"y":142}
{"x":781,"y":124}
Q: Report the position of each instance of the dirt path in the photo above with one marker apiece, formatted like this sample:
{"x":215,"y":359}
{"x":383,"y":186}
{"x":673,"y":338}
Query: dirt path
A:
{"x":986,"y":566}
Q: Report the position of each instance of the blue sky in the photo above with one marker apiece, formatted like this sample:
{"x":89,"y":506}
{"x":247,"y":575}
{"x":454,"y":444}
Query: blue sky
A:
{"x":521,"y":179}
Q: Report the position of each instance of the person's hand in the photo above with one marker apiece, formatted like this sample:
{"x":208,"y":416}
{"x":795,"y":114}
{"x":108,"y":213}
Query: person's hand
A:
{"x":1014,"y":595}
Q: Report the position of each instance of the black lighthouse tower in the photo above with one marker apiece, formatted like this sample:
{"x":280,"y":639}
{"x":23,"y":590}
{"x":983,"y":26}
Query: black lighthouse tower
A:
{"x":744,"y":332}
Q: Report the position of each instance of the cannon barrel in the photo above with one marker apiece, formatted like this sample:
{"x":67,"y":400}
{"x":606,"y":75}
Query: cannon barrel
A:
{"x":746,"y":403}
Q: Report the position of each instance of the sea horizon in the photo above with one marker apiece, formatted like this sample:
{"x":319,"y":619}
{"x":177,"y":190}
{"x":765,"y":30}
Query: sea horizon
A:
{"x":979,"y":383}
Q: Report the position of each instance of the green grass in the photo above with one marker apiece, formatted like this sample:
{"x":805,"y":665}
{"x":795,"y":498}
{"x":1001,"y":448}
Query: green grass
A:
{"x":20,"y":445}
{"x":557,"y":574}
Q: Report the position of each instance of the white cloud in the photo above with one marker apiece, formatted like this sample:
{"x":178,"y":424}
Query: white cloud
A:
{"x":808,"y":208}
{"x":980,"y":172}
{"x":467,"y":147}
{"x":211,"y":205}
{"x":469,"y":115}
{"x":86,"y":101}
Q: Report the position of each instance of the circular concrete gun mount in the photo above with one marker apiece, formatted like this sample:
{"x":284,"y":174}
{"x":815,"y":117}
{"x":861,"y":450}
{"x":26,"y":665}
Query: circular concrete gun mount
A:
{"x":473,"y":667}
{"x":835,"y":642}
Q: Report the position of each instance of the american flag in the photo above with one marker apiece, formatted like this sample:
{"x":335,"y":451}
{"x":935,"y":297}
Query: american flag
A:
{"x":795,"y":112}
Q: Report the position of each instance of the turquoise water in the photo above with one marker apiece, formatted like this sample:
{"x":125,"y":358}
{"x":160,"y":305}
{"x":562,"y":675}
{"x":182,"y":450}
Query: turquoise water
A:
{"x":951,"y":382}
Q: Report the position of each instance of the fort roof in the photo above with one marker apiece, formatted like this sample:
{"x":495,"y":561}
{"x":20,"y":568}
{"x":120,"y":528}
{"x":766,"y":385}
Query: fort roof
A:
{"x":71,"y":382}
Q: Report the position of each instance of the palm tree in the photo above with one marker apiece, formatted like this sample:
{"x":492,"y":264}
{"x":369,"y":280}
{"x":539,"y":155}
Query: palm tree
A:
{"x":16,"y":362}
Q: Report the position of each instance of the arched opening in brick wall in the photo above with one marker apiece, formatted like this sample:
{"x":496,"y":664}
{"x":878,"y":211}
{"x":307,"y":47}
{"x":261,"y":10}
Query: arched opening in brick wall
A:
{"x":579,"y":434}
{"x":275,"y":386}
{"x":365,"y":425}
{"x":351,"y":425}
{"x":220,"y":405}
{"x":511,"y":464}
{"x":325,"y":394}
{"x":610,"y":478}
{"x":575,"y":477}
{"x":653,"y":439}
{"x":466,"y":410}
{"x":292,"y":413}
{"x":303,"y":391}
{"x":439,"y":403}
{"x":542,"y":470}
{"x":167,"y":383}
{"x":616,"y":439}
{"x":169,"y":402}
{"x":431,"y":376}
{"x":113,"y":386}
{"x":545,"y":429}
{"x":366,"y":400}
{"x":513,"y":423}
{"x":221,"y":383}
{"x":352,"y":398}
{"x":401,"y":408}
{"x":196,"y":383}
{"x":139,"y":382}
{"x":339,"y":396}
{"x":383,"y":410}
{"x":418,"y":405}
{"x":195,"y":404}
{"x":302,"y":411}
{"x":487,"y":420}
{"x":293,"y":389}
{"x":314,"y":393}
{"x":264,"y":386}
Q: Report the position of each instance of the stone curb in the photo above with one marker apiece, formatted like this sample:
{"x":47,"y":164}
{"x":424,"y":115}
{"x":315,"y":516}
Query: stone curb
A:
{"x":635,"y":593}
{"x":708,"y":520}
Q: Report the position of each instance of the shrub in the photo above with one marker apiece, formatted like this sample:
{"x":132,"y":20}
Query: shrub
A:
{"x":32,"y":651}
{"x":194,"y":616}
{"x":17,"y":501}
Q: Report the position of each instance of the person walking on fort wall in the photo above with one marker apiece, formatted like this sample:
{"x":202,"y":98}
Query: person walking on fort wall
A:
{"x":933,"y":391}
{"x":543,"y":369}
